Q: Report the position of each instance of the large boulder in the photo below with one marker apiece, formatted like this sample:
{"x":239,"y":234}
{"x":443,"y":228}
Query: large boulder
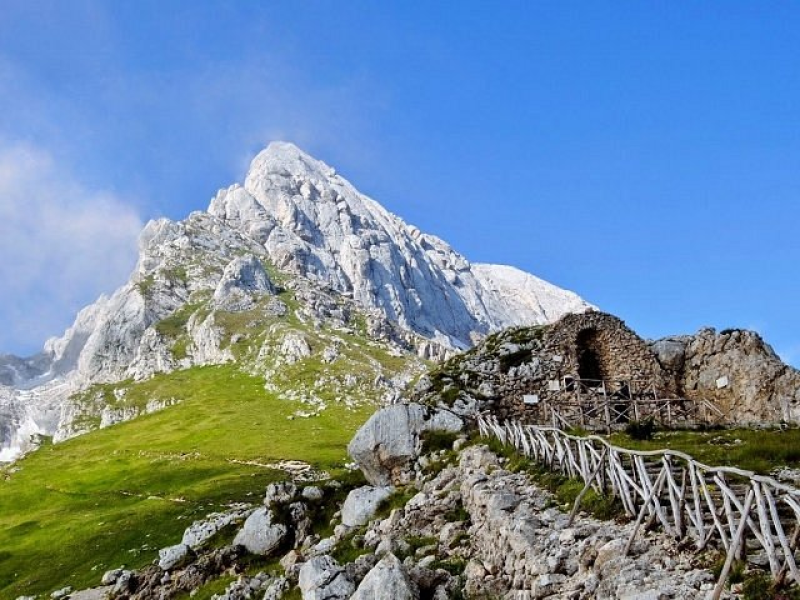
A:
{"x":389,"y":441}
{"x":260,"y":534}
{"x":322,"y":578}
{"x":362,"y":503}
{"x":387,"y":581}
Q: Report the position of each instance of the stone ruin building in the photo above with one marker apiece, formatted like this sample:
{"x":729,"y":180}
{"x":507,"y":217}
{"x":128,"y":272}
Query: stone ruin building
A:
{"x":591,"y":370}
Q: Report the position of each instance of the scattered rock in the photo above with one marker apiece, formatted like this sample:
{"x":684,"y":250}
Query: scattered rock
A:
{"x":388,"y":580}
{"x":174,"y":557}
{"x":260,"y":534}
{"x":281,"y":492}
{"x":312,"y":493}
{"x":322,"y":578}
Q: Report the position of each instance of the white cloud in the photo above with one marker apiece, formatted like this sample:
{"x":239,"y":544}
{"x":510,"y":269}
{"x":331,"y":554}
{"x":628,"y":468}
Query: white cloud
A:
{"x":61,"y":245}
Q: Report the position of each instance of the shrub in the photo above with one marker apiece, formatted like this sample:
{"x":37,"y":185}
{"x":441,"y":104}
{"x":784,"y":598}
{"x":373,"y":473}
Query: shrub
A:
{"x":641,"y":430}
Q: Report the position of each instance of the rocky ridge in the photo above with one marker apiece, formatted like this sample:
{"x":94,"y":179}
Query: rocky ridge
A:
{"x":295,"y":244}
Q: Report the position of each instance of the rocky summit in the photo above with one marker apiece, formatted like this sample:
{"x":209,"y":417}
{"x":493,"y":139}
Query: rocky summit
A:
{"x":295,"y":239}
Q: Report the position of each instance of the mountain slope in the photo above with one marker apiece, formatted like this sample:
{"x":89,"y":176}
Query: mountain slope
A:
{"x":315,"y":223}
{"x":207,"y":290}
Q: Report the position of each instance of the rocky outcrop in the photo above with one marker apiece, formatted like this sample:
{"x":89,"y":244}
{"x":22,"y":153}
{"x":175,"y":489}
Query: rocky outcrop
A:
{"x":742,"y":374}
{"x":389,"y":441}
{"x":243,"y":281}
{"x":315,"y":223}
{"x":734,"y":370}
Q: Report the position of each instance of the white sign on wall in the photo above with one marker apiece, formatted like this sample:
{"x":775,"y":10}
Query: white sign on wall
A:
{"x":531,"y":399}
{"x":554,"y":385}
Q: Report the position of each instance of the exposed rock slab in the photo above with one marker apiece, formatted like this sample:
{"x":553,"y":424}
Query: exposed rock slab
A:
{"x":387,"y":443}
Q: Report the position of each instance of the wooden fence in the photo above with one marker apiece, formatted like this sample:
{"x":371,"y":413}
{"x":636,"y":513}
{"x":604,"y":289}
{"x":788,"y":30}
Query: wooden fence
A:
{"x":610,"y":404}
{"x":743,"y":514}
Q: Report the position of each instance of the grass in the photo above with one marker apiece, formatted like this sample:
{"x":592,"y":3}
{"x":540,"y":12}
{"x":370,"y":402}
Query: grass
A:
{"x":758,"y":450}
{"x":114,"y":496}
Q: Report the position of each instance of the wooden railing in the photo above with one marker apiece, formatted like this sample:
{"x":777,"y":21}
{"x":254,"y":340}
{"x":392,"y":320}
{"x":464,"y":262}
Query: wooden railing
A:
{"x":741,"y":513}
{"x":609,"y":404}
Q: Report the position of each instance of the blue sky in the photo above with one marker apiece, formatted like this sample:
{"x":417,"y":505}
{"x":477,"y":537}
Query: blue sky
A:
{"x":645,"y":155}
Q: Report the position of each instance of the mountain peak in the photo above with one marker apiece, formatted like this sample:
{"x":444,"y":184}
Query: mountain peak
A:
{"x":284,"y":158}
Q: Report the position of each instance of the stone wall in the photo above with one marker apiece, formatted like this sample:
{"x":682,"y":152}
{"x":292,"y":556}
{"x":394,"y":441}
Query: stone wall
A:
{"x":622,"y":356}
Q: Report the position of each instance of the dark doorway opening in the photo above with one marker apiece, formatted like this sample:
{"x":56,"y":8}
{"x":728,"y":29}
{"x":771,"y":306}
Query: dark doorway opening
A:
{"x":590,"y":368}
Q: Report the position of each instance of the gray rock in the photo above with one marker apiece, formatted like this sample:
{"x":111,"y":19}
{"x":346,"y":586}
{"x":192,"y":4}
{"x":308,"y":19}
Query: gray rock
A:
{"x":260,"y":534}
{"x":242,"y":282}
{"x":280,"y":492}
{"x":110,"y":577}
{"x":202,"y":530}
{"x":386,"y":444}
{"x":277,"y":589}
{"x":174,"y":557}
{"x":362,"y":503}
{"x":62,"y":593}
{"x":322,"y":578}
{"x":670,"y":353}
{"x":123,"y":583}
{"x":387,"y":581}
{"x":312,"y":493}
{"x":101,"y":593}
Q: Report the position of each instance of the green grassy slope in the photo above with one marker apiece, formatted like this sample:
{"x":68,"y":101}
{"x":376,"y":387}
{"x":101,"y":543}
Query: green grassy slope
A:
{"x":70,"y":511}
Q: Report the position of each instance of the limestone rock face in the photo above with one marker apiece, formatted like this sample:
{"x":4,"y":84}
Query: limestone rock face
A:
{"x":243,"y":280}
{"x":742,"y":374}
{"x":260,"y":534}
{"x":387,"y":443}
{"x":315,"y":223}
{"x":321,"y":578}
{"x":362,"y":503}
{"x":386,"y":581}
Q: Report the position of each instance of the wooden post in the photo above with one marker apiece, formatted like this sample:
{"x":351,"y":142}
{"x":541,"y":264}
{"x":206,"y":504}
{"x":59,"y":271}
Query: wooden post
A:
{"x":655,"y":490}
{"x":726,"y":569}
{"x":585,"y":489}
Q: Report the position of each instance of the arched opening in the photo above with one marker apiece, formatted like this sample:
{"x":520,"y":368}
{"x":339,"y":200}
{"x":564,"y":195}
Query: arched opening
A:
{"x":590,"y":367}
